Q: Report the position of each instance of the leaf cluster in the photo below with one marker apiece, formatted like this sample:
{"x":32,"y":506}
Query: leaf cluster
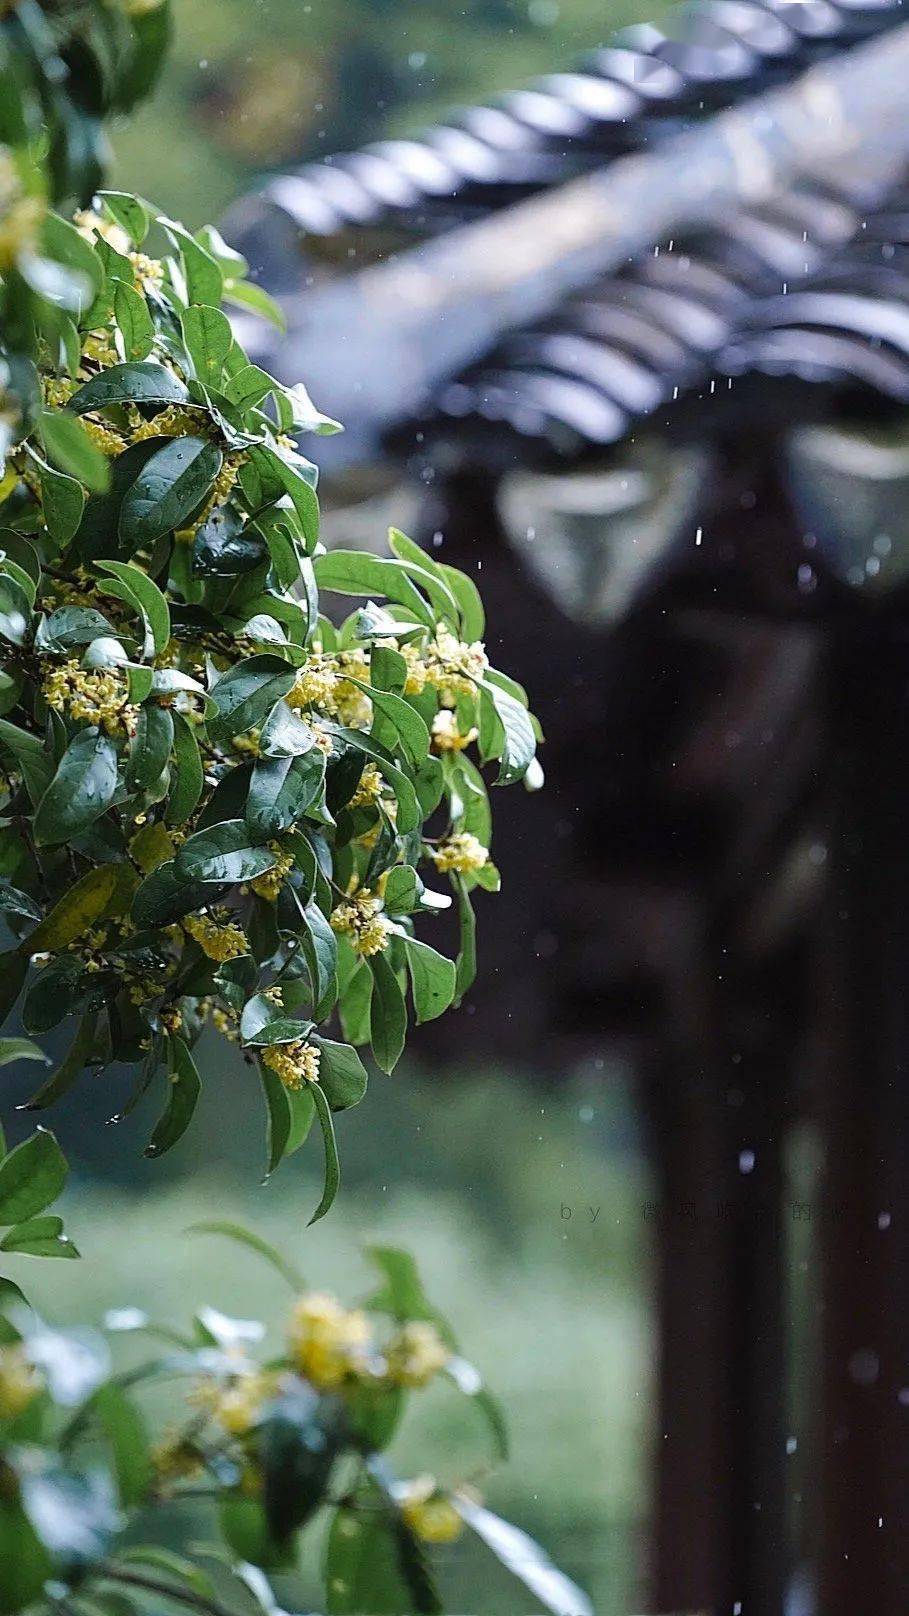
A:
{"x":219,"y":806}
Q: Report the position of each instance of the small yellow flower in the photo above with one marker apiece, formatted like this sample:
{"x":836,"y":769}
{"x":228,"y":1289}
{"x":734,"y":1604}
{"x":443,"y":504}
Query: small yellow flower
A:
{"x":314,"y":685}
{"x":446,"y":736}
{"x":360,"y":919}
{"x":369,"y":789}
{"x":461,"y":852}
{"x":295,"y":1064}
{"x":176,"y":421}
{"x":237,"y":1404}
{"x":268,"y":886}
{"x":327,"y":1342}
{"x":93,"y":695}
{"x":428,"y":1512}
{"x":218,"y":939}
{"x":416,"y":1354}
{"x":19,"y":1384}
{"x":175,"y":1458}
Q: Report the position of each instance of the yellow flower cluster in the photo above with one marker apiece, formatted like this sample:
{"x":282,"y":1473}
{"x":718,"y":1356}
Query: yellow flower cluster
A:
{"x":369,"y":789}
{"x":325,"y":683}
{"x":103,"y":437}
{"x":295,"y":1064}
{"x":359,"y":917}
{"x":19,"y":1384}
{"x":94,"y":696}
{"x":447,"y":736}
{"x":328,"y":1343}
{"x":452,"y":666}
{"x":175,"y":1458}
{"x":460,"y":852}
{"x":428,"y":1511}
{"x":236,"y":1404}
{"x":147,"y":272}
{"x":269,"y":885}
{"x":416,"y":1354}
{"x":176,"y":421}
{"x":219,"y":938}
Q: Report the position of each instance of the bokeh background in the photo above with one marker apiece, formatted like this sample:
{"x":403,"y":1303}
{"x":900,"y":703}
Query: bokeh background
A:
{"x":520,"y":1191}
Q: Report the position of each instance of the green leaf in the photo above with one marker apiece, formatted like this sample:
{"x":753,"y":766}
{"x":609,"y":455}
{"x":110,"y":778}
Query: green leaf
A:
{"x":17,"y":1049}
{"x":319,"y":946}
{"x":15,"y":610}
{"x":245,"y":1530}
{"x":342,"y":1075}
{"x":185,"y":1088}
{"x":81,"y":905}
{"x":227,"y":547}
{"x":208,"y":338}
{"x":404,"y":719}
{"x":223,"y":853}
{"x":132,"y":585}
{"x":277,"y":1102}
{"x":245,"y":695}
{"x":516,"y":743}
{"x":467,"y":595}
{"x":81,"y":791}
{"x":264,"y":1022}
{"x":129,"y":213}
{"x":133,"y":383}
{"x":359,"y":572}
{"x":246,"y":1237}
{"x":70,"y":626}
{"x":25,"y":1561}
{"x":433,"y":979}
{"x":68,"y":445}
{"x":57,"y":991}
{"x":14,"y":902}
{"x":467,"y":952}
{"x":281,"y":790}
{"x":373,"y":1563}
{"x":401,"y":1295}
{"x":388,"y":1014}
{"x":150,"y":747}
{"x":332,"y":1164}
{"x":71,"y":1067}
{"x":62,"y":242}
{"x":31,"y":1176}
{"x":409,"y":815}
{"x":247,"y":295}
{"x":172,"y":484}
{"x":166,"y":896}
{"x":134,"y":321}
{"x":39,"y":1237}
{"x":425,"y":571}
{"x":30,"y":757}
{"x":469,"y":1381}
{"x":13,"y":971}
{"x":188,"y":778}
{"x":204,"y":281}
{"x":127,"y":1437}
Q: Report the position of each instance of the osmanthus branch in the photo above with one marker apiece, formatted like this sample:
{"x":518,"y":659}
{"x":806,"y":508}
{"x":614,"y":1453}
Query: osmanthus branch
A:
{"x":125,"y":1577}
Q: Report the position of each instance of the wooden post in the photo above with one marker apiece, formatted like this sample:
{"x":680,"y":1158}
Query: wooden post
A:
{"x":864,"y":1557}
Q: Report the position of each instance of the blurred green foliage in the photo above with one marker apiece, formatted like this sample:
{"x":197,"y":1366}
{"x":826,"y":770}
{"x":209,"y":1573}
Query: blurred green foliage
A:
{"x":256,"y":83}
{"x":474,"y":1173}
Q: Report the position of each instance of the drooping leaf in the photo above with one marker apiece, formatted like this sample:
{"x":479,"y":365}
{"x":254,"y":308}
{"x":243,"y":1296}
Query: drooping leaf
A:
{"x":80,"y":907}
{"x":332,"y":1164}
{"x":433,"y":979}
{"x":42,"y":1236}
{"x":388,"y":1014}
{"x":125,"y":1430}
{"x":185,"y":1086}
{"x":247,"y":1237}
